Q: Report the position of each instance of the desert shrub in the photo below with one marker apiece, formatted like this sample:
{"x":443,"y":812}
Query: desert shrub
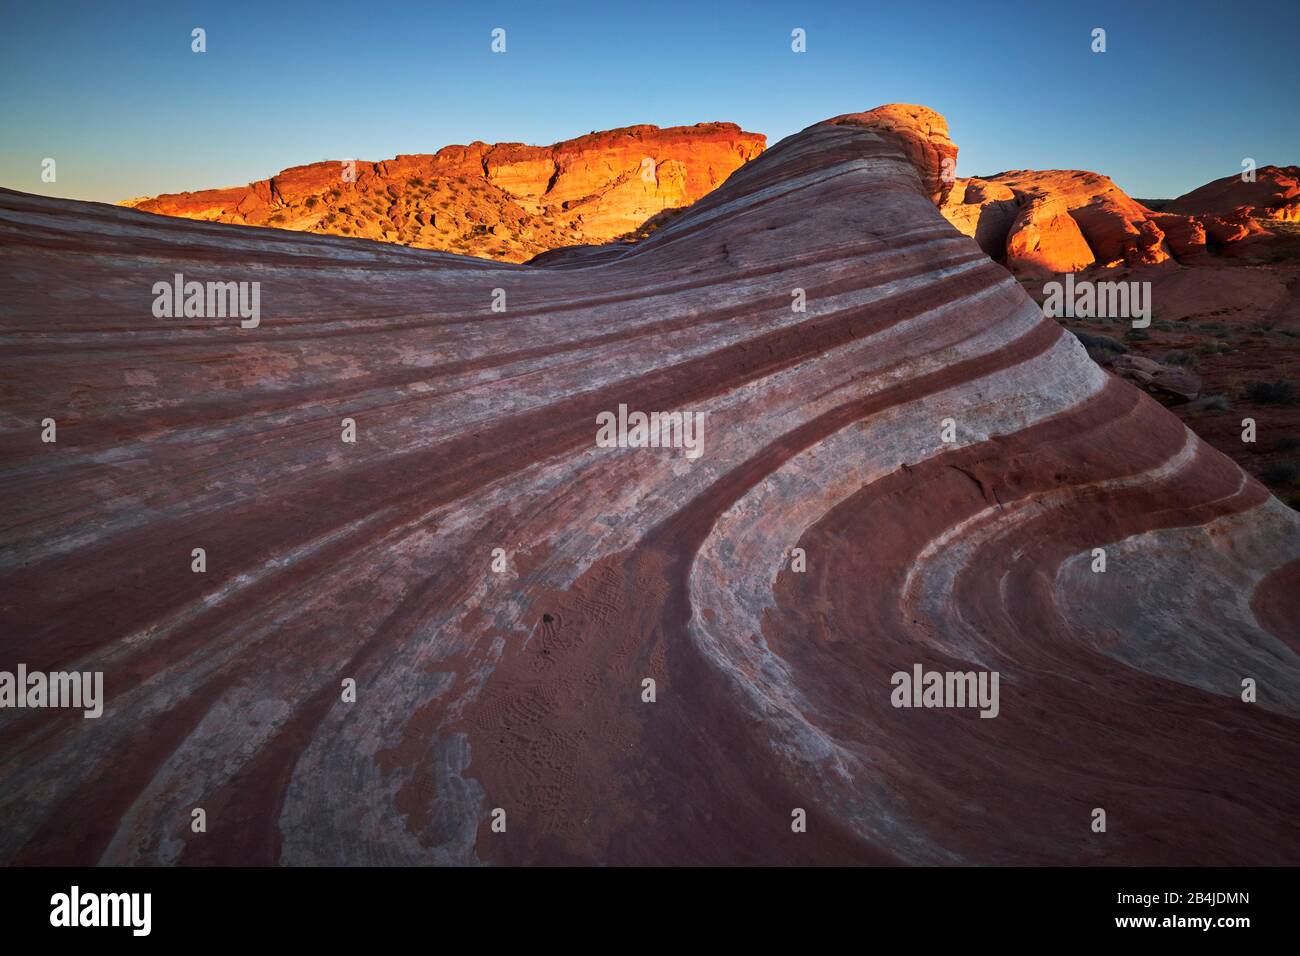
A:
{"x":1284,"y":473}
{"x":1211,"y":403}
{"x":417,"y":181}
{"x":1281,"y":392}
{"x":1178,"y":358}
{"x":278,"y":217}
{"x":1137,"y":335}
{"x":312,"y":202}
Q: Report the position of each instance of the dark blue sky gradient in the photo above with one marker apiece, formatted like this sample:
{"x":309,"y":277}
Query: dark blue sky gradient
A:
{"x":111,"y":90}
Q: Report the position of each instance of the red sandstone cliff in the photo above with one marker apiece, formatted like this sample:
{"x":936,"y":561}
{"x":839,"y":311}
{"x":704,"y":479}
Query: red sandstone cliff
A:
{"x":507,"y":201}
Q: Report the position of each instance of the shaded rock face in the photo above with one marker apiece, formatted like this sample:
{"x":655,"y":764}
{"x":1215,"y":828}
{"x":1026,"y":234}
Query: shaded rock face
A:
{"x":1274,"y":194}
{"x":507,"y":201}
{"x":983,"y":210}
{"x":1052,"y":221}
{"x":514,"y":680}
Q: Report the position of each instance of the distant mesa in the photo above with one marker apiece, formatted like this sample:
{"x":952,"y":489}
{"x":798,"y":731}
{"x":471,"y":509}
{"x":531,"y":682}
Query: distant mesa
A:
{"x":508,"y":202}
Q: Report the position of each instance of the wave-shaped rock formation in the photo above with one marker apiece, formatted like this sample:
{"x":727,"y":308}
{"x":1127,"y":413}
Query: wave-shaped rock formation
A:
{"x":502,"y":712}
{"x":506,"y":201}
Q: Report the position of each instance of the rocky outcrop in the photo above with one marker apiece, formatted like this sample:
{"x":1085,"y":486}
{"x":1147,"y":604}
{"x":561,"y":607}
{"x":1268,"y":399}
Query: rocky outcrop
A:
{"x":983,"y":210}
{"x":1177,"y":383}
{"x":1274,"y":193}
{"x":1038,"y":222}
{"x":507,"y":201}
{"x":636,"y":654}
{"x":1044,"y":237}
{"x":923,"y":134}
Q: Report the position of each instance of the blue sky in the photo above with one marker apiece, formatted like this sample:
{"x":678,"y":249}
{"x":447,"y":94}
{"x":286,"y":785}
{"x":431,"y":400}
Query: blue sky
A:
{"x":112,"y":91}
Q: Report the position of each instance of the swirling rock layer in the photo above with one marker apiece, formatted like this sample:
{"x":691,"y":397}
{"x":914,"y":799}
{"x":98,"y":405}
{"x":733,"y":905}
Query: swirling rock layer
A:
{"x":522,"y":689}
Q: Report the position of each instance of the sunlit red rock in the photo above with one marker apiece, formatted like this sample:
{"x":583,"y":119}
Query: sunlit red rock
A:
{"x":924,"y":135}
{"x":1273,"y":193}
{"x":507,"y":201}
{"x":1044,"y":238}
{"x":983,"y":210}
{"x":1116,"y":229}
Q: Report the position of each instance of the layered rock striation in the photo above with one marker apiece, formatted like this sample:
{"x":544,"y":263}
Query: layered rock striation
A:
{"x":564,"y":651}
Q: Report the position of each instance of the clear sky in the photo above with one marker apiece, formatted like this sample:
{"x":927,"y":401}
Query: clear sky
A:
{"x":111,"y":90}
